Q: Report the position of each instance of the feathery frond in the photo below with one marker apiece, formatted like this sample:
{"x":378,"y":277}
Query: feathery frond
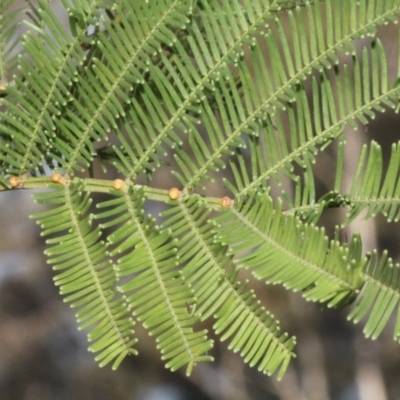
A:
{"x":8,"y":41}
{"x":104,"y":89}
{"x":371,"y":188}
{"x":51,"y":71}
{"x":219,"y":293}
{"x":246,"y":105}
{"x":158,"y":293}
{"x":284,"y":250}
{"x":312,"y":126}
{"x":87,"y":278}
{"x":185,"y":79}
{"x":380,"y":296}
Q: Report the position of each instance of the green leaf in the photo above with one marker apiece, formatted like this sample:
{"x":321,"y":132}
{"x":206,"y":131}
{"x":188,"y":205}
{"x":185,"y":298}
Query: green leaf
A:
{"x":253,"y":331}
{"x":86,"y":276}
{"x":281,"y":249}
{"x":380,"y":296}
{"x":156,"y":291}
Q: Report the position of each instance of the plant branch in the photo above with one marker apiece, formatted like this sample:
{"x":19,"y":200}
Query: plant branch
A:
{"x":105,"y":186}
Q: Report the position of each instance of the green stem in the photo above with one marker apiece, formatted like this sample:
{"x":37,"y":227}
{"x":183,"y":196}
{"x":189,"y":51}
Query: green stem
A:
{"x":105,"y":186}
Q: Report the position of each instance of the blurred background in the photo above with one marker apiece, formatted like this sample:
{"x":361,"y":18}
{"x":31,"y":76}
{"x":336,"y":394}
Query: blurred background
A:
{"x":44,"y":357}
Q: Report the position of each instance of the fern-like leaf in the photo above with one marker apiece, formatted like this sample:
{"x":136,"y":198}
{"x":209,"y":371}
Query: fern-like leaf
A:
{"x":184,"y":80}
{"x":219,"y":293}
{"x":287,"y":251}
{"x":53,"y":65}
{"x":246,"y":104}
{"x":334,"y":105}
{"x":8,"y":41}
{"x":87,"y":276}
{"x":380,"y":296}
{"x":373,"y":189}
{"x":110,"y":84}
{"x":158,"y":292}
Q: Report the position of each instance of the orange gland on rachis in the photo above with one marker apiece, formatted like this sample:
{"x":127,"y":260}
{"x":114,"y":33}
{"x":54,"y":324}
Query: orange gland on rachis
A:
{"x":226,"y":202}
{"x":119,"y":184}
{"x":14,"y":181}
{"x":174,"y":193}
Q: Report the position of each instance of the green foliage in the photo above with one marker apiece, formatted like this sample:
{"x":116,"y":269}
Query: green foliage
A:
{"x":8,"y":40}
{"x":380,"y":194}
{"x":284,"y":251}
{"x":246,"y":95}
{"x":87,"y":275}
